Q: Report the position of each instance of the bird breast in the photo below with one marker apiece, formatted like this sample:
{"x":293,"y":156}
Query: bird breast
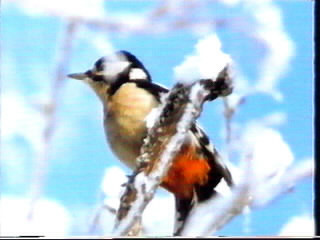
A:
{"x":125,"y":124}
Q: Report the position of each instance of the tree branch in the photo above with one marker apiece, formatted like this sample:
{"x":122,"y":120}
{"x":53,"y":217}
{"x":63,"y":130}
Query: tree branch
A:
{"x":49,"y":113}
{"x":220,"y":210}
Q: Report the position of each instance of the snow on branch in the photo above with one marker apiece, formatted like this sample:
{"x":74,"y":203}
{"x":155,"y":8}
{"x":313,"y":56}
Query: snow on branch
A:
{"x":206,"y":62}
{"x":164,"y":17}
{"x":220,"y":210}
{"x":271,"y":189}
{"x":49,"y":112}
{"x":181,"y":107}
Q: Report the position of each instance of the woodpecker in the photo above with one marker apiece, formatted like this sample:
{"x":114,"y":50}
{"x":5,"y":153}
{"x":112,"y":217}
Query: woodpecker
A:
{"x":128,"y":95}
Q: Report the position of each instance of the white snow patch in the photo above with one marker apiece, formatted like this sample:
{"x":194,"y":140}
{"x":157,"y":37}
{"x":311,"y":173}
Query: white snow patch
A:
{"x":158,"y":218}
{"x":271,"y":154}
{"x":206,"y":63}
{"x":152,"y":117}
{"x":50,"y":218}
{"x":113,"y":178}
{"x":299,"y":226}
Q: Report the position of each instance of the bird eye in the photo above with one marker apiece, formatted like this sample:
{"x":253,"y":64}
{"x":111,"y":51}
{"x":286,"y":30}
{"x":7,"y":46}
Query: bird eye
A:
{"x":99,"y":65}
{"x":89,"y":73}
{"x":98,"y":78}
{"x":93,"y":76}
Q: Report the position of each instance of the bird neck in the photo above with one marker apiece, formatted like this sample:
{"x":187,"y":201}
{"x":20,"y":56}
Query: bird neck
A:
{"x":101,"y":89}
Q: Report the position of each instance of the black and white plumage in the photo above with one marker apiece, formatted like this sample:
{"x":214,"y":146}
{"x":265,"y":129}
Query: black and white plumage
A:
{"x":128,"y":95}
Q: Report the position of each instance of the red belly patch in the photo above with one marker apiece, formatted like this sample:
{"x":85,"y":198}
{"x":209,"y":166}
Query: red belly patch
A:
{"x":186,"y":170}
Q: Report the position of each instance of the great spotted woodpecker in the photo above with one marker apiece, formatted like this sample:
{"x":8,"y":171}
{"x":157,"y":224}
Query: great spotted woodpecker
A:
{"x":128,"y":95}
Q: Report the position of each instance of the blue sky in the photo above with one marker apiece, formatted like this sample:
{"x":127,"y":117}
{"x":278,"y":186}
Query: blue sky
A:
{"x":79,"y":155}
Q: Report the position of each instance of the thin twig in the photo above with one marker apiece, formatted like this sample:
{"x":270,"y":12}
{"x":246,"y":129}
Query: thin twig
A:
{"x":149,"y":28}
{"x":97,"y":216}
{"x":49,"y":114}
{"x":229,"y":113}
{"x":272,"y":190}
{"x":220,"y":210}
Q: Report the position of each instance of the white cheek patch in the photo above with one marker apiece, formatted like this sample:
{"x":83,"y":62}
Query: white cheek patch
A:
{"x":137,"y":73}
{"x":113,"y":69}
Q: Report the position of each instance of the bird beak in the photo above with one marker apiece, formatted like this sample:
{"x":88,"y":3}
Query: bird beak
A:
{"x":78,"y":76}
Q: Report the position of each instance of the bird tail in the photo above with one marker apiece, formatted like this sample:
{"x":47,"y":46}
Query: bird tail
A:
{"x":183,"y":208}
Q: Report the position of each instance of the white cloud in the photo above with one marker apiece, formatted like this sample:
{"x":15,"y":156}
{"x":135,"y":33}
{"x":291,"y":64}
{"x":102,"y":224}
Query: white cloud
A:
{"x":50,"y":217}
{"x":13,"y":165}
{"x":298,"y":226}
{"x":274,"y":119}
{"x":230,"y":2}
{"x":21,"y":129}
{"x":100,"y":42}
{"x":20,"y":119}
{"x":207,"y":61}
{"x":158,"y":216}
{"x":271,"y":154}
{"x":111,"y":187}
{"x":113,"y":178}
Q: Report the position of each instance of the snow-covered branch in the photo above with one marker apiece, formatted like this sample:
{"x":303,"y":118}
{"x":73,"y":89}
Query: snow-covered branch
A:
{"x":97,"y":215}
{"x":49,"y":114}
{"x":164,"y":17}
{"x":181,"y":107}
{"x":272,"y":190}
{"x":219,"y":210}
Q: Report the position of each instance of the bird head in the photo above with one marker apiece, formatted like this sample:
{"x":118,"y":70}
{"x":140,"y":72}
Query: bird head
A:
{"x":111,"y":71}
